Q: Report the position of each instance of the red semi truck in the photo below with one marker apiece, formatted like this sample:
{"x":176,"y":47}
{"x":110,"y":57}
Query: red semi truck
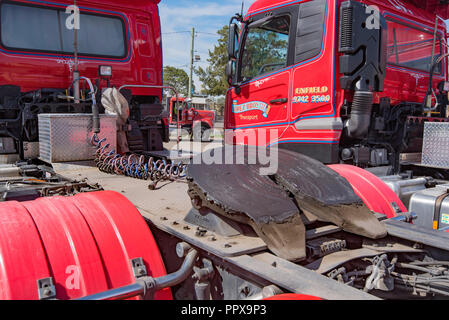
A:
{"x":198,"y":123}
{"x":340,"y":81}
{"x":334,"y":232}
{"x":119,"y":43}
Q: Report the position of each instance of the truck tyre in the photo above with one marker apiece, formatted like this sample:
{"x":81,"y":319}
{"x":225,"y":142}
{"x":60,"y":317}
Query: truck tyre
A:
{"x":201,"y":133}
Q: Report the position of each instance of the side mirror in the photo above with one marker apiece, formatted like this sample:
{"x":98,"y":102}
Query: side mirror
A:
{"x":230,"y":70}
{"x":233,"y":41}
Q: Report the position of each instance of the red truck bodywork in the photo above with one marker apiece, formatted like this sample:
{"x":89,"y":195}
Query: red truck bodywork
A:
{"x":191,"y":116}
{"x":142,"y":64}
{"x":317,"y":77}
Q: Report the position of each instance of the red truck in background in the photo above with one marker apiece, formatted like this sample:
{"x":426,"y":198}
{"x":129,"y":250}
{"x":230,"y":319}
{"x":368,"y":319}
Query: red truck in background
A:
{"x":119,"y":43}
{"x":198,"y":123}
{"x":340,"y":81}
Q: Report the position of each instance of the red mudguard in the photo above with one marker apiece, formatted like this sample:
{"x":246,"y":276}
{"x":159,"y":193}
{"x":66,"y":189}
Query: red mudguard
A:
{"x":377,"y":196}
{"x":84,"y":243}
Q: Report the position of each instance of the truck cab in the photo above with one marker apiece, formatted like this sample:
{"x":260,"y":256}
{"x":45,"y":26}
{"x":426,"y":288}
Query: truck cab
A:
{"x":197,"y":122}
{"x":118,"y":43}
{"x":341,"y":81}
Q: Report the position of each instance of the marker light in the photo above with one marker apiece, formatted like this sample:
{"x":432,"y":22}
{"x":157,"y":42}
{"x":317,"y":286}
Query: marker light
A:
{"x":105,"y":71}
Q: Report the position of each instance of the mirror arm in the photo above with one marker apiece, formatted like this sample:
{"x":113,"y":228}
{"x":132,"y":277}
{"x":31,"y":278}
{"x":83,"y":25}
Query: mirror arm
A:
{"x":237,"y":88}
{"x":237,"y":17}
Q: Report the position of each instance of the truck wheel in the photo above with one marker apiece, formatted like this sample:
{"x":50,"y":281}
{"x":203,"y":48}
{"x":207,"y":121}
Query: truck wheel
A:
{"x":201,"y":134}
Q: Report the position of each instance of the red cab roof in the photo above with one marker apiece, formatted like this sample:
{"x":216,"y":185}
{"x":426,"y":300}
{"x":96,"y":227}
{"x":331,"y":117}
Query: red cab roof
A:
{"x":261,"y":5}
{"x":439,"y":7}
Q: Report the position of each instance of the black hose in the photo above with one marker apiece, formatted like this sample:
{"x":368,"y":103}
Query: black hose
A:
{"x":362,"y":107}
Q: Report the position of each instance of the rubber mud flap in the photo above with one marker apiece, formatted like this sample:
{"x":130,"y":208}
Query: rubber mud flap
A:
{"x":240,"y":193}
{"x":322,"y":192}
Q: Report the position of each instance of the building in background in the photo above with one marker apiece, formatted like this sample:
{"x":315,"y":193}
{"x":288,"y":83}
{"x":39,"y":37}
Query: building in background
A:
{"x":202,"y":103}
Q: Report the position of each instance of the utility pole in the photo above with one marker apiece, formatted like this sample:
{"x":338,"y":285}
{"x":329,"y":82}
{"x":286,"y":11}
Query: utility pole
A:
{"x":192,"y":54}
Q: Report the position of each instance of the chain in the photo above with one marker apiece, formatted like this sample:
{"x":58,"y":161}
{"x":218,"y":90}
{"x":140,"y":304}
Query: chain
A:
{"x":135,"y":166}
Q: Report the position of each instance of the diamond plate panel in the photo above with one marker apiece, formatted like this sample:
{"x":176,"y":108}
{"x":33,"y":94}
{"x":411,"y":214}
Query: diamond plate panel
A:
{"x":66,"y":137}
{"x":436,"y":145}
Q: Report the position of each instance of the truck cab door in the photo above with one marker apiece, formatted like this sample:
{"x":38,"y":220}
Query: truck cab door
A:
{"x":259,"y":104}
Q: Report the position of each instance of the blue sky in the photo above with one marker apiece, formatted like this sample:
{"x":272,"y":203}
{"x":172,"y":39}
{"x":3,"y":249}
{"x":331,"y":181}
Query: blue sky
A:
{"x":206,"y":16}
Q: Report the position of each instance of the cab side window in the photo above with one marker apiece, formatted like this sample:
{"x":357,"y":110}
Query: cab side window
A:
{"x":33,"y":28}
{"x":266,"y":48}
{"x":411,"y":47}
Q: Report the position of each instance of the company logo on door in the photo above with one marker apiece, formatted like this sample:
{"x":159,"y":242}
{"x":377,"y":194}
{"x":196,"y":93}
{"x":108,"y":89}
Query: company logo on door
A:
{"x":251,"y":106}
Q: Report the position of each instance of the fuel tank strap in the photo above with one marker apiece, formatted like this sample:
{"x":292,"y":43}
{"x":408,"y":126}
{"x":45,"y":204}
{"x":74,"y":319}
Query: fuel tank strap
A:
{"x":438,"y":207}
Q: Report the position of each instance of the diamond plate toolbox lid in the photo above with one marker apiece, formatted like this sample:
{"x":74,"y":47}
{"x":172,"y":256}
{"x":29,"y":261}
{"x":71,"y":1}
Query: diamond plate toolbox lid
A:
{"x":436,"y":144}
{"x":66,"y":137}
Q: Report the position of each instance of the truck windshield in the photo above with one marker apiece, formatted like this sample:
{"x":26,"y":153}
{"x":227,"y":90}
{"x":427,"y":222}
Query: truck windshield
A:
{"x":33,"y":28}
{"x":265,"y":48}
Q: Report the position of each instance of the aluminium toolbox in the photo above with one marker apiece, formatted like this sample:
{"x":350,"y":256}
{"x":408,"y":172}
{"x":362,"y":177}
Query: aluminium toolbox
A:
{"x":67,"y":137}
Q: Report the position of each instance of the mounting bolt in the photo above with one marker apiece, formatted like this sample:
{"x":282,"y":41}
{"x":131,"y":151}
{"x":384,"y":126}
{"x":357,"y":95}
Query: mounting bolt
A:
{"x":48,"y":292}
{"x":197,"y":203}
{"x":200,"y":232}
{"x":417,"y":246}
{"x":138,"y":267}
{"x":140,"y":271}
{"x":46,"y":289}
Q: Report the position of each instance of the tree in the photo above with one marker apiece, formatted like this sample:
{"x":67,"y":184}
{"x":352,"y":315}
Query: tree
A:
{"x":220,"y":105}
{"x":265,"y":51}
{"x":178,"y":79}
{"x":213,"y":77}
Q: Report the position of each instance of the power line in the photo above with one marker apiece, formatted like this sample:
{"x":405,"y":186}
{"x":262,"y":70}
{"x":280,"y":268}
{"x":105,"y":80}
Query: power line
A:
{"x":196,"y":32}
{"x":176,"y":32}
{"x":212,"y":34}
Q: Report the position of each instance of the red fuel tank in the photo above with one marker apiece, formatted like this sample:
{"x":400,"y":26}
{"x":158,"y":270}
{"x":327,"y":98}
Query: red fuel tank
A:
{"x":84,"y":243}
